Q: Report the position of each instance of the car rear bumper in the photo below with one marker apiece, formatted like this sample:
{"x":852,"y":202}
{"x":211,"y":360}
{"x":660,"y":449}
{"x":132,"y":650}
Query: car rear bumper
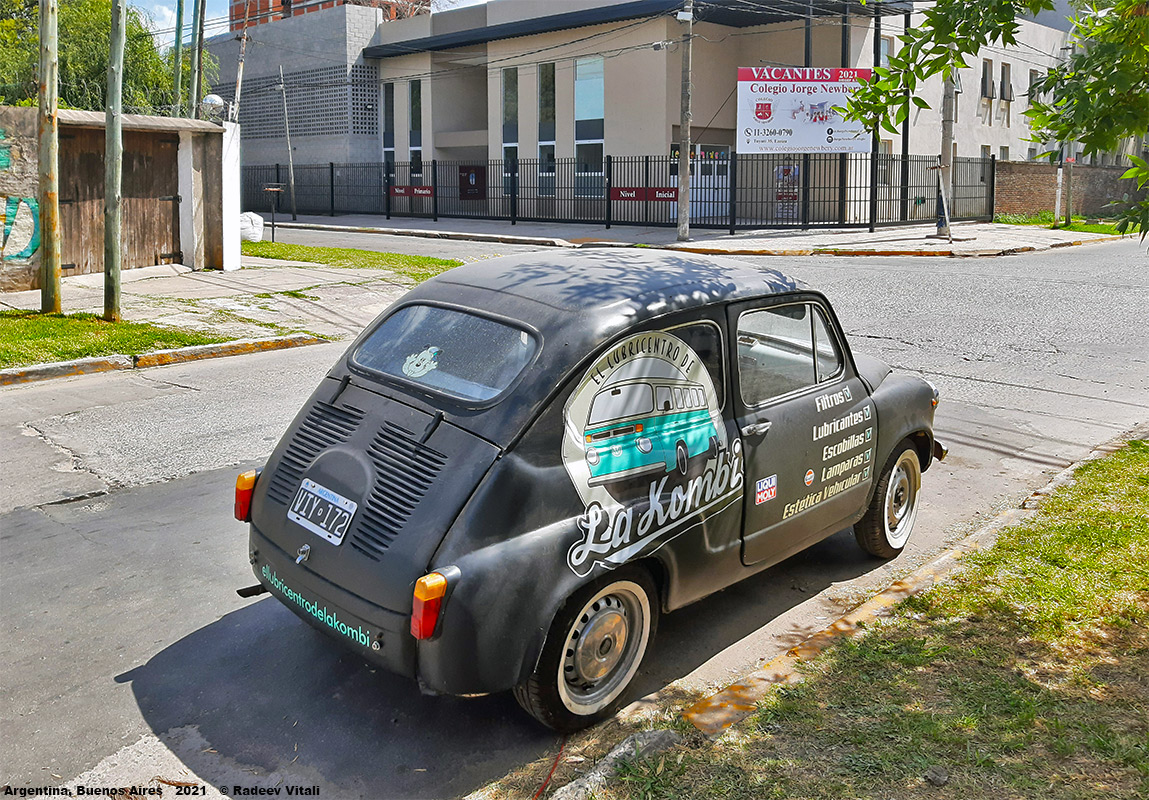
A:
{"x":379,"y":635}
{"x":940,"y":451}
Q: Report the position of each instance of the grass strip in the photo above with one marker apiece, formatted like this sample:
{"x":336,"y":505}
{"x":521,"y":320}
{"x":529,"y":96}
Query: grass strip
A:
{"x":417,"y":268}
{"x":1026,"y":675}
{"x":1079,"y":224}
{"x":29,"y":337}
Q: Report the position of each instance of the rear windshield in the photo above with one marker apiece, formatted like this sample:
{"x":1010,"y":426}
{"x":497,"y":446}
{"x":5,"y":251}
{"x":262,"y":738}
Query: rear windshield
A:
{"x":451,"y":352}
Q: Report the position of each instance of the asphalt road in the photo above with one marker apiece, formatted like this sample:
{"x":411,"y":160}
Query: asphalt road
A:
{"x":126,"y":651}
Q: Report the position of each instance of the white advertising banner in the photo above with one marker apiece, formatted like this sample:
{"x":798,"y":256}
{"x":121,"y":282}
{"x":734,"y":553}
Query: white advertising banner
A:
{"x":791,"y":110}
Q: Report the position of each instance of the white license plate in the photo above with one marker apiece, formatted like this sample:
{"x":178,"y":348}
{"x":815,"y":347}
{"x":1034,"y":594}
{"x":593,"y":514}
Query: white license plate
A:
{"x":323,"y":512}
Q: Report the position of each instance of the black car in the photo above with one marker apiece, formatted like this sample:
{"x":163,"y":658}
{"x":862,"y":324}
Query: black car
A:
{"x":523,"y":462}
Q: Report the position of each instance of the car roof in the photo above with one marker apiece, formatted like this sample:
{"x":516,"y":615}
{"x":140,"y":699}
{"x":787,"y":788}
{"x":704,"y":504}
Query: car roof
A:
{"x":593,"y":282}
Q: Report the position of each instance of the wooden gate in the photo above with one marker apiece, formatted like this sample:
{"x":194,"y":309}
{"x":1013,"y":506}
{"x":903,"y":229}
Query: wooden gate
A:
{"x":151,"y":202}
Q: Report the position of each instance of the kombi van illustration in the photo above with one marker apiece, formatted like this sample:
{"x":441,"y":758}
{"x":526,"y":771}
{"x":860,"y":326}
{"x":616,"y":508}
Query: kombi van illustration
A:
{"x":653,"y":424}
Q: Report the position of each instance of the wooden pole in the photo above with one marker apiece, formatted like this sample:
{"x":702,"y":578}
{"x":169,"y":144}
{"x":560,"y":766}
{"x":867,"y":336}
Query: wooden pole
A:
{"x":178,"y":60}
{"x":49,"y":159}
{"x":195,"y":51}
{"x":233,"y":112}
{"x":684,"y":143}
{"x":198,"y":97}
{"x":114,"y":164}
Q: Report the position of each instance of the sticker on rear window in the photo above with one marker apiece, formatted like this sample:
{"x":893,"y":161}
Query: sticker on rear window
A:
{"x":419,"y":364}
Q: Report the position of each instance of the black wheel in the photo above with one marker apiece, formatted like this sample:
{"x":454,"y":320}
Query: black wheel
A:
{"x":886,"y":527}
{"x":712,"y":452}
{"x":681,"y":458}
{"x":592,"y":651}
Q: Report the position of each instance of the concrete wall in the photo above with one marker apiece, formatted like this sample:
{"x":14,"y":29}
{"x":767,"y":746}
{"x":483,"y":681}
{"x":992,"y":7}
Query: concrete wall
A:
{"x":1029,"y":188}
{"x":19,"y":203}
{"x":333,"y":106}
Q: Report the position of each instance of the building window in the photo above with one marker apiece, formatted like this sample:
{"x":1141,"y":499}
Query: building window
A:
{"x":510,"y":105}
{"x":988,"y":90}
{"x":416,"y":115}
{"x":1034,"y":95}
{"x":887,"y":49}
{"x":546,"y":103}
{"x":389,"y":122}
{"x":1032,"y":154}
{"x":1006,"y":83}
{"x":1003,"y":153}
{"x":886,"y":162}
{"x":589,"y":96}
{"x":986,"y":154}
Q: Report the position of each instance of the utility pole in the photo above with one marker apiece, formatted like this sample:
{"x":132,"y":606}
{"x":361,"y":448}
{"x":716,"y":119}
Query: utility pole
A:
{"x":684,"y":144}
{"x":949,"y":99}
{"x":290,"y":157}
{"x":195,"y":51}
{"x":233,"y":112}
{"x":198,"y":96}
{"x":178,"y":60}
{"x":114,"y":164}
{"x":1069,"y":161}
{"x":48,"y":161}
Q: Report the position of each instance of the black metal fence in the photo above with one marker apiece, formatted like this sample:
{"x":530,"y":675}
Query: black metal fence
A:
{"x":735,"y":192}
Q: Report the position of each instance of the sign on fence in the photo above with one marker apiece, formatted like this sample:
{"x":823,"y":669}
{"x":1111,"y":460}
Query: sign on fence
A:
{"x":643,"y":193}
{"x":411,"y":191}
{"x":473,"y":183}
{"x":791,"y":110}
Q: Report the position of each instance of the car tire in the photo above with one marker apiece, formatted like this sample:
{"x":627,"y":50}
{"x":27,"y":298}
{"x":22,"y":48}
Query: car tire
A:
{"x":888,"y":522}
{"x":681,"y":458}
{"x":572,"y":687}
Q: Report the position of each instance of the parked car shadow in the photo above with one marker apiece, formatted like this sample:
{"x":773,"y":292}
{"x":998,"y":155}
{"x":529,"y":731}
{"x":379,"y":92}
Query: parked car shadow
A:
{"x":269,"y":693}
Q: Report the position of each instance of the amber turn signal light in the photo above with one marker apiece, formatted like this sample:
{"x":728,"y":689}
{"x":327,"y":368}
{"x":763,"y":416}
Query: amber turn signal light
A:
{"x":428,"y":601}
{"x":244,"y":488}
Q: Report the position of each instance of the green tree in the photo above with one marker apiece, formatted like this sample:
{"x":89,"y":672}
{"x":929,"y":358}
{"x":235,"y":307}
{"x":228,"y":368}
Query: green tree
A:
{"x":84,"y":30}
{"x":1098,"y":96}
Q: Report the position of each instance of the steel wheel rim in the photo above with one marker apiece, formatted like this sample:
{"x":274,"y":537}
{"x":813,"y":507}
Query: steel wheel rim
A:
{"x":901,"y":504}
{"x":681,"y":459}
{"x":604,"y":647}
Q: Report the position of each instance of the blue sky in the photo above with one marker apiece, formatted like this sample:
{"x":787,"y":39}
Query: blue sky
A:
{"x":163,"y":14}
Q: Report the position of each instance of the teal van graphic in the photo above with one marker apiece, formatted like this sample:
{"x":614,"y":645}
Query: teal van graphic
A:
{"x":647,"y":425}
{"x":646,"y":448}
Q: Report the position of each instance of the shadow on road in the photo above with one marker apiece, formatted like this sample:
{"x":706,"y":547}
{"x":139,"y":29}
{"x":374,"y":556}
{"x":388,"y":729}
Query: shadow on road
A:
{"x":268,"y":692}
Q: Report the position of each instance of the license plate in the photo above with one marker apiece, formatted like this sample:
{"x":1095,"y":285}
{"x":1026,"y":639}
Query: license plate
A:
{"x":323,"y":512}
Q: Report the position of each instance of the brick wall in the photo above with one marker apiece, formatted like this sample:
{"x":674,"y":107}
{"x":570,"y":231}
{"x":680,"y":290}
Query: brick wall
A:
{"x":1027,"y":187}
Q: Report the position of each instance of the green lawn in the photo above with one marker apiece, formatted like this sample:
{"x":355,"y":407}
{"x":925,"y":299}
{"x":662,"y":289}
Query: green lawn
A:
{"x":1045,"y":218}
{"x":28,"y":337}
{"x":1025,"y":676}
{"x":417,"y":268}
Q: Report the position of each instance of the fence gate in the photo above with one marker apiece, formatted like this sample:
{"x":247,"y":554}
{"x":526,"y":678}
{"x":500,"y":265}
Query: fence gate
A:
{"x":151,"y":218}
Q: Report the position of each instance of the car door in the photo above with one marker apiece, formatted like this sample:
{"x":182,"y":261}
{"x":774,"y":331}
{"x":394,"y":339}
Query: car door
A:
{"x":807,"y":425}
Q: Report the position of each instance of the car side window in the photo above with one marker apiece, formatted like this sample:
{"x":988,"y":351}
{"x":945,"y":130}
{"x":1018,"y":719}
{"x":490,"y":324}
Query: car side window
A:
{"x":829,"y":357}
{"x":775,"y":352}
{"x":705,"y":339}
{"x":663,"y":401}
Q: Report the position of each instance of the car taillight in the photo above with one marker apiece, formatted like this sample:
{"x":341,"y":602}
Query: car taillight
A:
{"x":244,"y":488}
{"x":428,"y":601}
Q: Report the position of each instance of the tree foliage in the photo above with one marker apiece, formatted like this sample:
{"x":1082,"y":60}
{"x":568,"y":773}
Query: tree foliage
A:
{"x":84,"y":31}
{"x":1098,"y":96}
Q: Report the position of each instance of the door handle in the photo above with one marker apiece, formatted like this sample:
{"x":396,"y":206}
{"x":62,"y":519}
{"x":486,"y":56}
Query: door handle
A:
{"x":756,"y":429}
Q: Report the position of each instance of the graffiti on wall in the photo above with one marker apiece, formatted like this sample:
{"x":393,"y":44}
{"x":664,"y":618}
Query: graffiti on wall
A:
{"x":20,"y":216}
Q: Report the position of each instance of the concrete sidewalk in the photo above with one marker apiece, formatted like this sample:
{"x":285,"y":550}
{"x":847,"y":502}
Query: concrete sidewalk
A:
{"x":970,"y":238}
{"x":266,"y":298}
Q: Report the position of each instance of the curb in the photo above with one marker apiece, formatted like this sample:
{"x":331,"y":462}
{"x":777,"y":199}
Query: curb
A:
{"x":85,"y":366}
{"x":637,"y":745}
{"x":716,"y":714}
{"x":833,"y":251}
{"x":426,"y":234}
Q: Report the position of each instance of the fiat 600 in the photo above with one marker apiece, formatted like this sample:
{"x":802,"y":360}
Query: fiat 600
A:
{"x":515,"y":469}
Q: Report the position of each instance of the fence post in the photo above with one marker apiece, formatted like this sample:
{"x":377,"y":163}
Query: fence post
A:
{"x":387,"y":187}
{"x":873,"y":180}
{"x":646,"y":196}
{"x":805,"y":191}
{"x":331,"y":183}
{"x":434,"y":190}
{"x":733,"y":189}
{"x":991,"y":190}
{"x":609,"y":183}
{"x":514,"y":190}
